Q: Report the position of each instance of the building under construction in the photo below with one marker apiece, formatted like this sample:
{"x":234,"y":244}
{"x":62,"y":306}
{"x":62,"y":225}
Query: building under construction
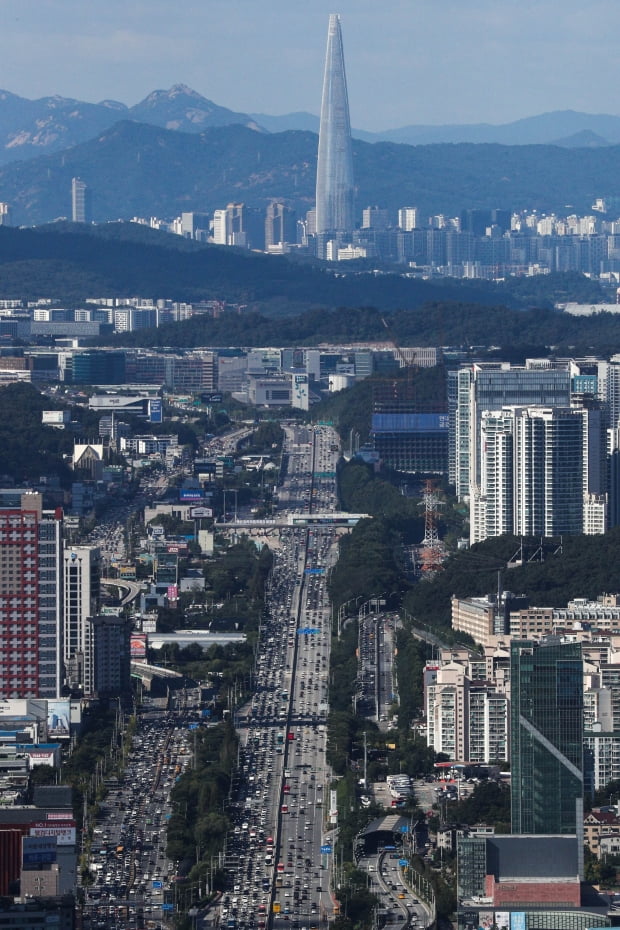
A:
{"x":409,"y":435}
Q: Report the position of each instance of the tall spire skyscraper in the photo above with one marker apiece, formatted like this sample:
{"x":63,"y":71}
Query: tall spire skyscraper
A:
{"x":334,"y":176}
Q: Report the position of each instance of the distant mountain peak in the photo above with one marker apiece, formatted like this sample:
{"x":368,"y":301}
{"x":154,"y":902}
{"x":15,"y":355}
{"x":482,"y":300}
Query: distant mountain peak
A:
{"x":112,"y":104}
{"x":156,"y":97}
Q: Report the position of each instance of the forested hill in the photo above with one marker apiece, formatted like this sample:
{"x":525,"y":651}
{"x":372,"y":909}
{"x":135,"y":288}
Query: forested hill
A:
{"x":516,"y":334}
{"x":137,"y":169}
{"x":71,"y":262}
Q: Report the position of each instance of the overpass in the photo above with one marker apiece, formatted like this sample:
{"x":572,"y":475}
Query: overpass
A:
{"x":133,"y":588}
{"x":146,"y":673}
{"x":296,"y":519}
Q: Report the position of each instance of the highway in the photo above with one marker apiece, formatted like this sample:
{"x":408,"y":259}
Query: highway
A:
{"x":273,"y":853}
{"x":127,"y":861}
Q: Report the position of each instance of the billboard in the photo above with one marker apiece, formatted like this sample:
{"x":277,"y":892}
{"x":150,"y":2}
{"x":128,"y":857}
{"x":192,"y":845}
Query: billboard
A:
{"x":191,"y":494}
{"x":196,"y":512}
{"x":138,"y":645}
{"x":502,"y":920}
{"x":156,"y":413}
{"x":300,"y":393}
{"x":173,"y":592}
{"x":517,"y":920}
{"x":149,"y":626}
{"x":38,"y":851}
{"x":64,"y":833}
{"x":409,"y":422}
{"x":58,"y":719}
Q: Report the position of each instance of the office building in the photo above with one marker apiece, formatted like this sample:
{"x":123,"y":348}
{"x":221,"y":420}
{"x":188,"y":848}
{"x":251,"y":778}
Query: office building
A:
{"x":546,"y":731}
{"x":96,"y":367}
{"x":30,"y":597}
{"x":532,"y":873}
{"x":280,"y":225}
{"x":406,"y":434}
{"x":79,"y":201}
{"x":375,"y":218}
{"x":82,"y":576}
{"x":110,"y":637}
{"x":5,"y":214}
{"x":334,"y":177}
{"x":240,"y":226}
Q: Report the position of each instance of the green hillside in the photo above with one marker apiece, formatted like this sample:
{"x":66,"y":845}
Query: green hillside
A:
{"x":71,"y":262}
{"x":137,"y":169}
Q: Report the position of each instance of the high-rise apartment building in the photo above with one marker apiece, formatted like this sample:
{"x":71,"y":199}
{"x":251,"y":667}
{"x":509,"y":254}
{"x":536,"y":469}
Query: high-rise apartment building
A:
{"x":532,"y":469}
{"x":5,"y":214}
{"x":409,"y":218}
{"x":466,"y":719}
{"x":82,"y":574}
{"x":79,"y":201}
{"x":30,"y":597}
{"x":546,"y":683}
{"x":334,"y":176}
{"x":492,"y":386}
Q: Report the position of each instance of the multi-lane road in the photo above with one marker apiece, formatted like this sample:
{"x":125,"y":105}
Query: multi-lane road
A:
{"x":278,"y":853}
{"x":276,"y":867}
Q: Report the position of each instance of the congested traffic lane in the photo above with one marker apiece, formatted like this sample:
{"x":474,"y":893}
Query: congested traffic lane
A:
{"x":127,"y":863}
{"x":273,"y":853}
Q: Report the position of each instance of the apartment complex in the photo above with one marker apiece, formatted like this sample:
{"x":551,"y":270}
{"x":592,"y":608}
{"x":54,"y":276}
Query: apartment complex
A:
{"x":31,"y":600}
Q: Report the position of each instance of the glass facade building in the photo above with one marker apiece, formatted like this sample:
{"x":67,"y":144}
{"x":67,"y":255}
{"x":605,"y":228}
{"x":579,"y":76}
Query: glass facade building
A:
{"x":547,"y":737}
{"x":334,"y":177}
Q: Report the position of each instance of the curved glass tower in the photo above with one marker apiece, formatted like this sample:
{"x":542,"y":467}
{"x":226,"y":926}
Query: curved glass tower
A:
{"x":334,"y":176}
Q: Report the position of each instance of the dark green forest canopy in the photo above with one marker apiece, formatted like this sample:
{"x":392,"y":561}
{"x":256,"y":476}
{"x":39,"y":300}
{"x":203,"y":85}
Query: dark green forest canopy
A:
{"x":575,"y":566}
{"x":69,"y":263}
{"x":437,"y":323}
{"x":28,"y":449}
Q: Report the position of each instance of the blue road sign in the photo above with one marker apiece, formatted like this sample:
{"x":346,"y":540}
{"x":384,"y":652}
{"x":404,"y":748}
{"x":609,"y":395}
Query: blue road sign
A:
{"x":403,"y":862}
{"x":157,"y":884}
{"x":308,"y":631}
{"x":167,"y":907}
{"x":192,"y":726}
{"x":404,"y":828}
{"x":314,"y":571}
{"x":389,"y":847}
{"x":326,"y":850}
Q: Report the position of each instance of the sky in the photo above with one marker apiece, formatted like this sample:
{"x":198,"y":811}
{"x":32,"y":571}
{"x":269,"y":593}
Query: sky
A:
{"x":408,"y":61}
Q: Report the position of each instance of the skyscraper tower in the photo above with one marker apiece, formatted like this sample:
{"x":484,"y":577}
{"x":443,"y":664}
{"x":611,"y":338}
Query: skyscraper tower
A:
{"x":334,"y":176}
{"x":546,"y":735}
{"x":79,"y":208}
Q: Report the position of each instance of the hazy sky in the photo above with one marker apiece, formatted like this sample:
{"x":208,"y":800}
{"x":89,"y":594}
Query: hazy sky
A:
{"x":408,"y":61}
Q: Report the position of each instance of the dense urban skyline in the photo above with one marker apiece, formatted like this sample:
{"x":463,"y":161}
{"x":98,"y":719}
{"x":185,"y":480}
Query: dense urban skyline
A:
{"x":489,"y":61}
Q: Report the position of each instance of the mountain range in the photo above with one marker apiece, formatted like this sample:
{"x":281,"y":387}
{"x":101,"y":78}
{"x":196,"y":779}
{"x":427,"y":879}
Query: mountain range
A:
{"x":133,"y":169}
{"x":29,"y":128}
{"x":560,"y":127}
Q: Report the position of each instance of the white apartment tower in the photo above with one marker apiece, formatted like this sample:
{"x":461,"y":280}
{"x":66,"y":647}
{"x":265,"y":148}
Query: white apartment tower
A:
{"x":82,"y":574}
{"x":409,"y":218}
{"x":532,"y":472}
{"x":493,"y":386}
